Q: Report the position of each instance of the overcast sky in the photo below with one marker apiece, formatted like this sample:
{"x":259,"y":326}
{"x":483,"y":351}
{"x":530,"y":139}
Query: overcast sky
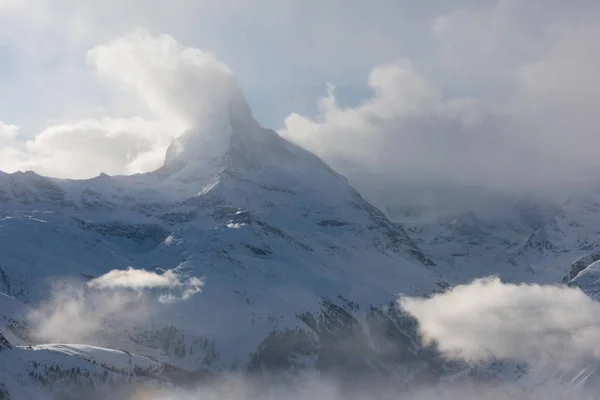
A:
{"x":501,"y":92}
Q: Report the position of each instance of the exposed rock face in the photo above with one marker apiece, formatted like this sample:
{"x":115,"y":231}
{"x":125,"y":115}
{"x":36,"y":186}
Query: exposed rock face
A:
{"x":4,"y":394}
{"x":385,"y":347}
{"x":4,"y":343}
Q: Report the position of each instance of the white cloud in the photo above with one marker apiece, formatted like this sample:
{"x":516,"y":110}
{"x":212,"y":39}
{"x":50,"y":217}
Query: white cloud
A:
{"x":406,"y":123}
{"x":181,"y":88}
{"x":88,"y":147}
{"x":542,"y":325}
{"x":10,"y":146}
{"x":139,"y":279}
{"x":7,"y":133}
{"x":182,"y":84}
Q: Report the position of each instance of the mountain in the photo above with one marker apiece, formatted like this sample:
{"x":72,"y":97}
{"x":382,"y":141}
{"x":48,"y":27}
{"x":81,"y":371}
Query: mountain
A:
{"x":301,"y":272}
{"x":569,"y":238}
{"x":74,"y":372}
{"x":469,"y":231}
{"x":467,"y":245}
{"x":526,"y":241}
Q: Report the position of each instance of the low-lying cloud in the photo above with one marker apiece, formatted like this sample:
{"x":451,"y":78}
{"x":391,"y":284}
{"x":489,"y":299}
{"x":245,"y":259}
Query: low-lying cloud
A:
{"x":553,"y":329}
{"x":177,"y":285}
{"x":94,"y":312}
{"x":242,"y":388}
{"x":542,"y":325}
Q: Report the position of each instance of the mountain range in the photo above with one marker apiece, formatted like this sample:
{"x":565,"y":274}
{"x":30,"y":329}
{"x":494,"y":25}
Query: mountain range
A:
{"x":300,"y":272}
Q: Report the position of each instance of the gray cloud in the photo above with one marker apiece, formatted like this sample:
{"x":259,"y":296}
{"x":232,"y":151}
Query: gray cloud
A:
{"x":497,"y":92}
{"x":539,"y":130}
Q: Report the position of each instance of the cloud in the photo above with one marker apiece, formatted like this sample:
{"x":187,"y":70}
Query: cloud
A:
{"x":139,"y":279}
{"x":307,"y":387}
{"x":85,"y":148}
{"x":7,"y":132}
{"x":542,"y":325}
{"x":406,"y":123}
{"x":10,"y":147}
{"x":108,"y":306}
{"x":175,"y":82}
{"x":180,"y":88}
{"x":508,"y":104}
{"x":76,"y":315}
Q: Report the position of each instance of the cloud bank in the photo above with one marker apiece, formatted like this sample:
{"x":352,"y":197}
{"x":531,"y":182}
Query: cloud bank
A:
{"x":554,"y":326}
{"x":512,"y":105}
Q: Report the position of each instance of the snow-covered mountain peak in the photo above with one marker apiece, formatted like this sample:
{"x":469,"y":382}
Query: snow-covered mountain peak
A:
{"x":209,"y":140}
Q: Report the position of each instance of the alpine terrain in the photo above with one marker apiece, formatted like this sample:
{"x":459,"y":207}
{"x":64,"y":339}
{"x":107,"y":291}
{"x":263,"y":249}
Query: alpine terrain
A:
{"x":299,"y":273}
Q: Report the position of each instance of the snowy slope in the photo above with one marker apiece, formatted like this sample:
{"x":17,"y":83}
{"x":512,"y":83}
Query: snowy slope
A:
{"x":13,"y":319}
{"x":74,"y":372}
{"x":469,"y":245}
{"x":537,"y":243}
{"x":572,"y":233}
{"x":588,"y":280}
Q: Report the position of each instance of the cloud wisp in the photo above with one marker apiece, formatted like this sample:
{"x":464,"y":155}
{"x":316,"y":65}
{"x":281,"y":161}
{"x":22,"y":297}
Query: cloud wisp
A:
{"x":95,"y":311}
{"x":139,"y":279}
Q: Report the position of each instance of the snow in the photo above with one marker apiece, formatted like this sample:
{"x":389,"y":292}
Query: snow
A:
{"x":114,"y":358}
{"x":569,"y":234}
{"x":36,"y":372}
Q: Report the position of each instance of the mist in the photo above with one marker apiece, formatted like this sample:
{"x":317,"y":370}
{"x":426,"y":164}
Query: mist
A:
{"x":547,"y":332}
{"x":551,"y":331}
{"x":107,"y":307}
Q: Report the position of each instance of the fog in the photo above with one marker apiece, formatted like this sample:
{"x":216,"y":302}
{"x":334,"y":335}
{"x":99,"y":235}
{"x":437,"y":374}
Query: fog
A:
{"x":322,"y":389}
{"x":545,"y":337}
{"x":552,"y":331}
{"x":107,"y":307}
